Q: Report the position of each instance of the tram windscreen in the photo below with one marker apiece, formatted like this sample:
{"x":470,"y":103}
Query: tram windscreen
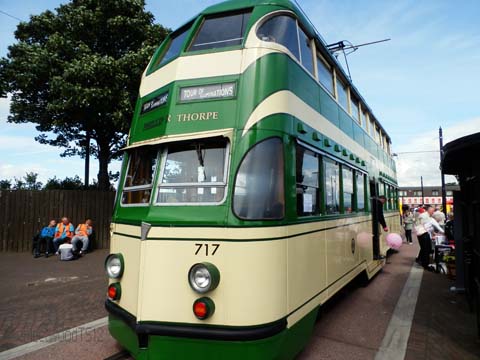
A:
{"x":194,"y":172}
{"x":220,"y":32}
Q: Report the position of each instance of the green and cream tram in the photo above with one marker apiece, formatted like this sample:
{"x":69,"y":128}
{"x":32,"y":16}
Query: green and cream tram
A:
{"x":244,"y":201}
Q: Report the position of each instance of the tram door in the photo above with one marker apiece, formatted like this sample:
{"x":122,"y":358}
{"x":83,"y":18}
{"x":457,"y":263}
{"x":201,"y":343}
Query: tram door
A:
{"x":374,"y":208}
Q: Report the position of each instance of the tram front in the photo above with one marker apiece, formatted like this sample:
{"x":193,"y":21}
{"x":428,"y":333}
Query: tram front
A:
{"x":197,"y":264}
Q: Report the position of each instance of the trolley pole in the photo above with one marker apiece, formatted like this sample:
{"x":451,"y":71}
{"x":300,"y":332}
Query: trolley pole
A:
{"x":421,"y":185}
{"x":444,"y":193}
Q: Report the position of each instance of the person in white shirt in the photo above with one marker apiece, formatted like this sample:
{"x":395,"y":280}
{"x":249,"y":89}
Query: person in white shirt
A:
{"x":425,"y":229}
{"x":439,"y":216}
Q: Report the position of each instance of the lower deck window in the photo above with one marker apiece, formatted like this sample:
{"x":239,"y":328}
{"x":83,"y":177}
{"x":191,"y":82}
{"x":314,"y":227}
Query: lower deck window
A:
{"x":308,"y":192}
{"x":331,"y":169}
{"x":347,"y":189}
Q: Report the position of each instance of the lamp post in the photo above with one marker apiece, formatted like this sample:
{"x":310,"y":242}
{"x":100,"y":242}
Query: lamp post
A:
{"x":421,"y":184}
{"x":444,"y":193}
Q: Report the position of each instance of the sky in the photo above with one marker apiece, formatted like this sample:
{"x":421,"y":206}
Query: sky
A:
{"x":425,"y":77}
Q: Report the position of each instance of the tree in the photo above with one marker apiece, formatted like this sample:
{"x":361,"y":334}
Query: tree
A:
{"x":69,"y":183}
{"x":5,"y":184}
{"x":76,"y":71}
{"x":31,"y":182}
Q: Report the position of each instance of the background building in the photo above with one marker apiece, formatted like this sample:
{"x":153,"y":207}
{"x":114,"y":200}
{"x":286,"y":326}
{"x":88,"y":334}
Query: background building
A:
{"x":432,"y":195}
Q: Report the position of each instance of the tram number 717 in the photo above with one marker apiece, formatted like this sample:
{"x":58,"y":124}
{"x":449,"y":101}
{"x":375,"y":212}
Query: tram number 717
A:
{"x":208,"y":250}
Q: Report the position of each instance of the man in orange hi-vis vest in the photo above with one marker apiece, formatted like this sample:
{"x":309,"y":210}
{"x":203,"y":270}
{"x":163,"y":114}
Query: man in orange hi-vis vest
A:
{"x":63,"y":233}
{"x":82,"y":233}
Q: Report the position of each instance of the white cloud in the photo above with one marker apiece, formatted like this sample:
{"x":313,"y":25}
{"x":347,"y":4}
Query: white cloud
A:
{"x":420,"y":156}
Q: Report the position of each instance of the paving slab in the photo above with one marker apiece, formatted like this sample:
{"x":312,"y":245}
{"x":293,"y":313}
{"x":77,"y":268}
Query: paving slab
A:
{"x":44,"y":296}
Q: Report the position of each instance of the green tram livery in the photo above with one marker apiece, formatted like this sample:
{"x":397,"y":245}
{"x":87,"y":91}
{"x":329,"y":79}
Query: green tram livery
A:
{"x":244,"y":201}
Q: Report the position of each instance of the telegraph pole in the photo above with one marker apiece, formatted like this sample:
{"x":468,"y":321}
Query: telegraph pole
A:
{"x":444,"y":193}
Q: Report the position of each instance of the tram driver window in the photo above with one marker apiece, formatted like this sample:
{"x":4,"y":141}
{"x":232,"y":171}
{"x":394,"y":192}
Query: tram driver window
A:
{"x":138,"y":181}
{"x":331,"y":171}
{"x":219,"y":32}
{"x":307,"y":168}
{"x":259,"y":184}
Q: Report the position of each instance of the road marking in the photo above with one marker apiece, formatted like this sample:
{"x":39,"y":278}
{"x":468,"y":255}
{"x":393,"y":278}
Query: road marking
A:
{"x":79,"y":332}
{"x":394,"y":343}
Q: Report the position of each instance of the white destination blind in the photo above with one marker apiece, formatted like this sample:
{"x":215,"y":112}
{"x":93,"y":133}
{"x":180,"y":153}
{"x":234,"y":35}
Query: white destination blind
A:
{"x":206,"y":92}
{"x":155,"y":102}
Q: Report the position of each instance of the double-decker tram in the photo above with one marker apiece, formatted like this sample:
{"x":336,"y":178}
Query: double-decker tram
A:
{"x":244,"y":202}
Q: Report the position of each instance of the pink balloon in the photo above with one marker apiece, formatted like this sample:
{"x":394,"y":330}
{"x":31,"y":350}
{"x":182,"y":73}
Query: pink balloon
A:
{"x":394,"y":241}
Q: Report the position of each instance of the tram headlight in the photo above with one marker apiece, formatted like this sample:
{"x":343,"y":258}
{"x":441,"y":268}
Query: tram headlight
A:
{"x":114,"y":266}
{"x":203,"y":277}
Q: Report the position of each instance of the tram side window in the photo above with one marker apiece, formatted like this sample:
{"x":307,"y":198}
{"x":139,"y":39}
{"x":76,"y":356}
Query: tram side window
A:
{"x":364,"y":120}
{"x":347,"y":176}
{"x":331,"y":171}
{"x":355,"y":110}
{"x":307,"y":168}
{"x":342,"y":94}
{"x":194,"y":172}
{"x":360,"y":180}
{"x":306,"y":51}
{"x":138,"y":182}
{"x":325,"y":75}
{"x":259,"y":184}
{"x":173,"y":48}
{"x":219,"y":32}
{"x":281,"y":29}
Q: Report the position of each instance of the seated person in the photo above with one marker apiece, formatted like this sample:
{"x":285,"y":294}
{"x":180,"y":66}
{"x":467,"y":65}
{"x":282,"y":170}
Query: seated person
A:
{"x":63,"y":233}
{"x":45,"y":236}
{"x":82,"y":233}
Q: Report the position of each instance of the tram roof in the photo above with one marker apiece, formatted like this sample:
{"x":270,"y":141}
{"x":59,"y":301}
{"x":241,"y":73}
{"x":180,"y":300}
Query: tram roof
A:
{"x":306,"y":24}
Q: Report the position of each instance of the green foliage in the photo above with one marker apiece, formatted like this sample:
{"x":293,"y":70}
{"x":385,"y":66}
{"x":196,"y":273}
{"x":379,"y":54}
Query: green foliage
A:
{"x":5,"y":184}
{"x":69,"y":183}
{"x":77,"y":69}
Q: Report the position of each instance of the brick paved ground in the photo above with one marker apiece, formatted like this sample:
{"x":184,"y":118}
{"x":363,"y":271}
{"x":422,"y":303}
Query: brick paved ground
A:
{"x":40,"y":297}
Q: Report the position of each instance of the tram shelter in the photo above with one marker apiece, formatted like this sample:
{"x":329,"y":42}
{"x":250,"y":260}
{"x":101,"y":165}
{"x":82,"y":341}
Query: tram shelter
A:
{"x":461,"y":159}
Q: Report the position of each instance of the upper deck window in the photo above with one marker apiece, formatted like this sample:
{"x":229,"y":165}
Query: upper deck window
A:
{"x":139,"y":179}
{"x":325,"y":75}
{"x":219,"y":32}
{"x":306,"y":51}
{"x":281,"y":29}
{"x":173,"y":48}
{"x":194,"y":172}
{"x":364,"y":120}
{"x":342,"y":93}
{"x":354,"y":109}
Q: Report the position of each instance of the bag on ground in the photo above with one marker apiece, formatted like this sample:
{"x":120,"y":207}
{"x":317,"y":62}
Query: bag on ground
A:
{"x":66,"y":253}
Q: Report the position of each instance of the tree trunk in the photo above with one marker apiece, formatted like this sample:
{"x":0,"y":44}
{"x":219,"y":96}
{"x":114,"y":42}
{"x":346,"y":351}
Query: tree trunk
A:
{"x":103,"y":161}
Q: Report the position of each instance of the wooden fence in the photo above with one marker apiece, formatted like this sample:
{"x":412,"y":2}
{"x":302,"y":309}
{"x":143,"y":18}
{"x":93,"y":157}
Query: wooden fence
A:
{"x":23,"y":213}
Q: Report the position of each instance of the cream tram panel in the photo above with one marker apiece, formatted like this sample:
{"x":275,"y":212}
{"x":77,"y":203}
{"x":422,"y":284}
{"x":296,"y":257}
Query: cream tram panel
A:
{"x":252,"y":287}
{"x":130,"y":249}
{"x":306,"y":268}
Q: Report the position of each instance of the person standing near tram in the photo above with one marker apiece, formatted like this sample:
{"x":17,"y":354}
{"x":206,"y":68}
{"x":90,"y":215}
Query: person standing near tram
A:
{"x":408,"y":221}
{"x":381,"y":218}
